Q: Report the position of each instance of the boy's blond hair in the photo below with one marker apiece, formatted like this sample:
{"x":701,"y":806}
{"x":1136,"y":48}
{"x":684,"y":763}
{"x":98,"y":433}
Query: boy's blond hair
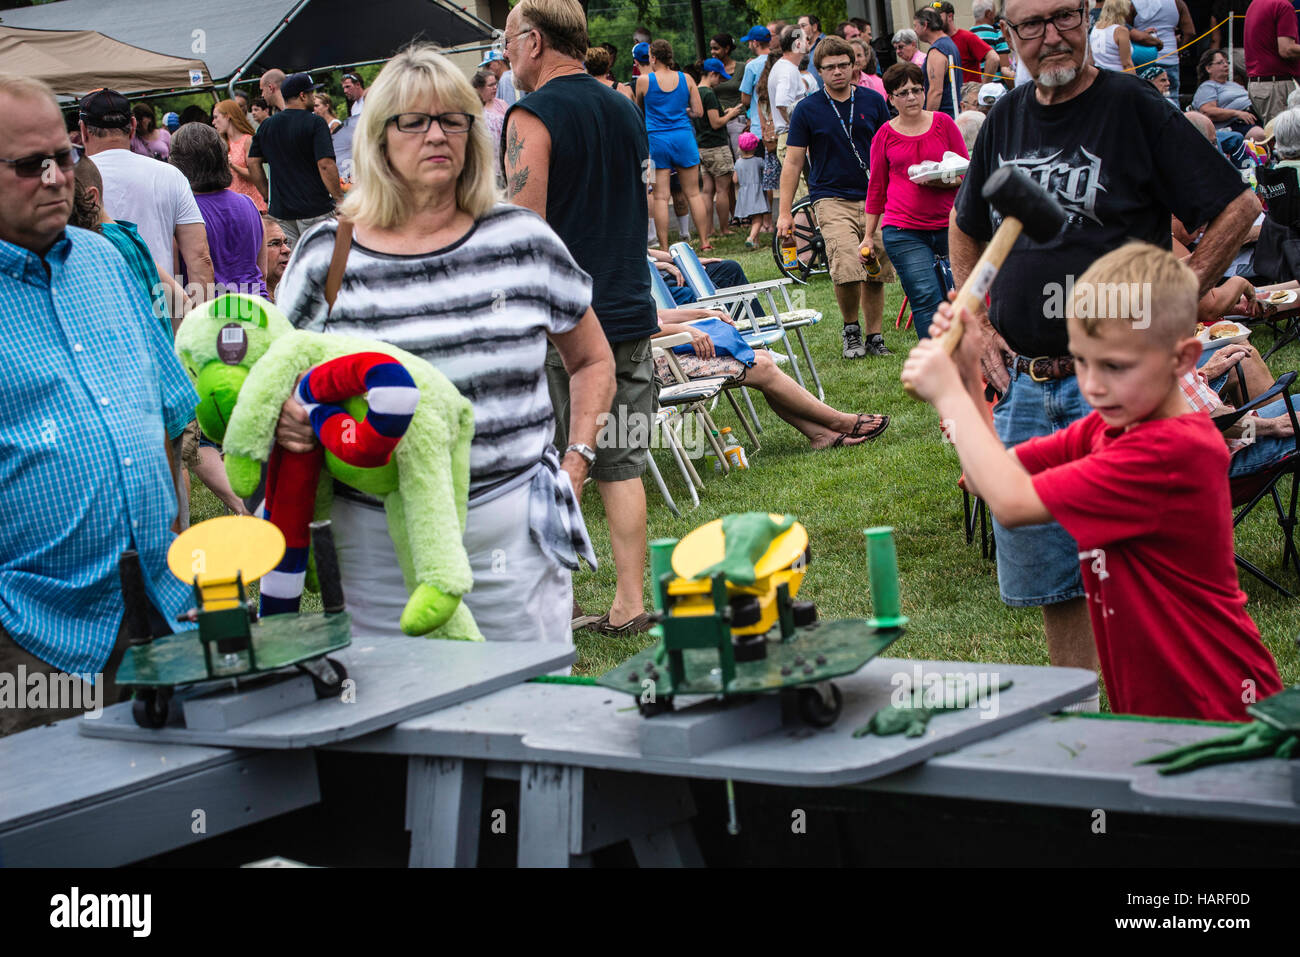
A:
{"x":1139,"y":284}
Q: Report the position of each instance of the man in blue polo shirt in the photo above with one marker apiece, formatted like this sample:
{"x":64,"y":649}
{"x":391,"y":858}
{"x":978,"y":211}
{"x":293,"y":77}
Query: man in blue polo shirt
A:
{"x":833,"y":128}
{"x":760,"y":42}
{"x":95,"y":397}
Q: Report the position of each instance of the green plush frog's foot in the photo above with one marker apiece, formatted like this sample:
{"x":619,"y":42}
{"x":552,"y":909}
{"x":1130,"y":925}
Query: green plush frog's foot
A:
{"x":244,"y":474}
{"x":428,"y":608}
{"x":459,"y":627}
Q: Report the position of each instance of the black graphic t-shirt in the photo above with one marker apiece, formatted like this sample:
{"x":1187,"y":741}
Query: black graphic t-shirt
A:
{"x":1120,"y":159}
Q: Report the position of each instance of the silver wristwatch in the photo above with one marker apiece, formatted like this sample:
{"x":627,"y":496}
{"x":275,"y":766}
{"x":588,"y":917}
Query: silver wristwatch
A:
{"x":586,"y":451}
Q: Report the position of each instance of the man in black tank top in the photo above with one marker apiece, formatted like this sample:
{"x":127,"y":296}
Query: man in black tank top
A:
{"x":575,"y":151}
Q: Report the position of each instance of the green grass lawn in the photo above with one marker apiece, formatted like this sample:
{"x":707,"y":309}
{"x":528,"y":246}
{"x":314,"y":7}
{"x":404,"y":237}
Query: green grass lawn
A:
{"x":905,"y":479}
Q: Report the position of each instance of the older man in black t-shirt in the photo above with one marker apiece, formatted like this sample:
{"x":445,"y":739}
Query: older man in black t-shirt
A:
{"x":296,"y":142}
{"x":1120,"y":160}
{"x":576,"y":152}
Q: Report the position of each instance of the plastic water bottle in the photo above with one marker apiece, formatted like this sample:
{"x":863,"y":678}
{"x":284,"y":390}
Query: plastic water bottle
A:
{"x":733,"y":450}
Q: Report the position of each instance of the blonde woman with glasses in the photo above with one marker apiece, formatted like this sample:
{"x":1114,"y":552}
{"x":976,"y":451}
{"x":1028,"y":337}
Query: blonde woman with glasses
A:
{"x":437,"y":266}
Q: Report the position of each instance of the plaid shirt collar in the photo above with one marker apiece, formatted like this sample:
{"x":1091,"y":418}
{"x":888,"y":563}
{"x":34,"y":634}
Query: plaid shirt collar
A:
{"x":26,"y":266}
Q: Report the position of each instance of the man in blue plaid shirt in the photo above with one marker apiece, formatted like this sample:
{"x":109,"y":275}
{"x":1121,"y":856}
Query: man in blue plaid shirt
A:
{"x":93,"y":396}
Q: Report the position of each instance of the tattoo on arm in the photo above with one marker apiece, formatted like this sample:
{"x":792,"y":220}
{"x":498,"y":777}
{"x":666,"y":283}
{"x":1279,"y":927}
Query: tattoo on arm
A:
{"x":514,"y":146}
{"x":518,"y":181}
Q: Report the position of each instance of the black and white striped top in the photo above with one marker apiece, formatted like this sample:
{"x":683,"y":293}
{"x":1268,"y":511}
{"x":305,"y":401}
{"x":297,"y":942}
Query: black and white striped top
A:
{"x":478,"y":311}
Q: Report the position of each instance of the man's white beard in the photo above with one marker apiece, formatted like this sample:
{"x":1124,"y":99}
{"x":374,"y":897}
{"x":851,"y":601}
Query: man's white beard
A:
{"x":1058,"y":76}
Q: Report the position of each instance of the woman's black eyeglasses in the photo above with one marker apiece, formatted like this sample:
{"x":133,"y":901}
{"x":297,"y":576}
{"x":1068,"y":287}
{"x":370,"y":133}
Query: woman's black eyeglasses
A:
{"x":29,"y":167}
{"x":451,"y":123}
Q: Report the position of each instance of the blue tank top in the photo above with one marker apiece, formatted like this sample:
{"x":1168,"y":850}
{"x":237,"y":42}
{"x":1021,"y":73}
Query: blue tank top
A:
{"x":665,"y":112}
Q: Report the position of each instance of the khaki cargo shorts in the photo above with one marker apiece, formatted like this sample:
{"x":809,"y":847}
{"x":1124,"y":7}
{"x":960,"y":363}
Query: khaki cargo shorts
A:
{"x":842,"y":223}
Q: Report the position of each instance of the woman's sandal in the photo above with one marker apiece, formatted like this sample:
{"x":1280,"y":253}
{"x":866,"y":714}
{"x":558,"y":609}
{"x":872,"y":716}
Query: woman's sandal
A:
{"x":641,"y":623}
{"x":863,"y":418}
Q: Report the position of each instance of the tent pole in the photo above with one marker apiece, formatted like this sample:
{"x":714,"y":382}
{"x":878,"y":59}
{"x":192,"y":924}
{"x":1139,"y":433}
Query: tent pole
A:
{"x":697,"y":20}
{"x":292,"y":15}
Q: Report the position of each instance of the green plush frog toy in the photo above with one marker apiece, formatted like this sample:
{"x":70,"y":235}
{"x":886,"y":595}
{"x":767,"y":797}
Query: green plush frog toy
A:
{"x":390,"y":425}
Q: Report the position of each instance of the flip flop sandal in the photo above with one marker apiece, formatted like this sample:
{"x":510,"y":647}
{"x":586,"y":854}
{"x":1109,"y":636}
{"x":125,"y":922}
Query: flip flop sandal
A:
{"x":841,"y":439}
{"x":863,"y":418}
{"x":580,"y":619}
{"x":641,"y":623}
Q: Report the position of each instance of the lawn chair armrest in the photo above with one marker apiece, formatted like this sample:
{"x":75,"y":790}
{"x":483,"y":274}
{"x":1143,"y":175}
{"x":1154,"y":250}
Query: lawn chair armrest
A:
{"x":670,"y":341}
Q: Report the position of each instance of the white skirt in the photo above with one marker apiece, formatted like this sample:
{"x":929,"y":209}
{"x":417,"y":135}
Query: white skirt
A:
{"x":519,"y":593}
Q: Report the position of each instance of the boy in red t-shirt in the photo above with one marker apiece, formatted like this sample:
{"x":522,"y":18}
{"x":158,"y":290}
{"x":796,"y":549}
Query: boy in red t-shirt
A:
{"x":1141,"y":484}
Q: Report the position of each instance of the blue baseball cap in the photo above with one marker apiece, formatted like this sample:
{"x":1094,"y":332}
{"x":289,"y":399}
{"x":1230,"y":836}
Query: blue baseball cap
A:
{"x":492,"y":57}
{"x":172,"y":121}
{"x":714,"y":65}
{"x":641,"y":53}
{"x":760,"y":33}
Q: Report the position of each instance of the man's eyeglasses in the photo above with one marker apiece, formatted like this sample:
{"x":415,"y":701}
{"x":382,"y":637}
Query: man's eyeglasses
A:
{"x":907,"y":94}
{"x":276,"y":243}
{"x":451,"y":123}
{"x":1064,"y":21}
{"x":355,"y":78}
{"x":30,"y":167}
{"x":502,"y":43}
{"x":834,"y":67}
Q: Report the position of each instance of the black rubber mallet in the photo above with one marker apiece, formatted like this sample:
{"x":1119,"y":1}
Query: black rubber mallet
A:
{"x":1025,"y":207}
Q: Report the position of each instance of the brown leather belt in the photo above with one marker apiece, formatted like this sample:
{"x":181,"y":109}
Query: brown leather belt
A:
{"x":1042,"y":368}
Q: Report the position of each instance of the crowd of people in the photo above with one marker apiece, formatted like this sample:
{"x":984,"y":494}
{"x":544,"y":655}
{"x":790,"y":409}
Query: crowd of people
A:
{"x":504,"y":226}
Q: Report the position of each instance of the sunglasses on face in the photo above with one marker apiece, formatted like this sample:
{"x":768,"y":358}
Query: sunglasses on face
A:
{"x":30,"y":167}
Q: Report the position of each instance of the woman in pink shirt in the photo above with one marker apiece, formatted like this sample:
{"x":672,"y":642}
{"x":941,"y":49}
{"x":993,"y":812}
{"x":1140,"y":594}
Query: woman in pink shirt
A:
{"x":914,"y":216}
{"x":864,"y":60}
{"x":237,"y":133}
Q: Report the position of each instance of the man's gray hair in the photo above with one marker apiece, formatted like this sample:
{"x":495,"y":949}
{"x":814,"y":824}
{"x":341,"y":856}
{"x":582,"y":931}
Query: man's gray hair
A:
{"x":906,"y":36}
{"x":1293,"y":99}
{"x":26,"y":87}
{"x":1286,"y":135}
{"x":981,"y":9}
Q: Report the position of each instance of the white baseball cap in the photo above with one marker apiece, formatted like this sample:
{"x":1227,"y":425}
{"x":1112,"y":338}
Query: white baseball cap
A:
{"x":989,"y":93}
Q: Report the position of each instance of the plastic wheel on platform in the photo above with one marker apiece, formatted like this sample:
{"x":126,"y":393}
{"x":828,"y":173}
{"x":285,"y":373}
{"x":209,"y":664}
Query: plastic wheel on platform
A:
{"x":815,"y":709}
{"x":151,"y":706}
{"x":809,"y":245}
{"x":325,"y":689}
{"x":660,"y":705}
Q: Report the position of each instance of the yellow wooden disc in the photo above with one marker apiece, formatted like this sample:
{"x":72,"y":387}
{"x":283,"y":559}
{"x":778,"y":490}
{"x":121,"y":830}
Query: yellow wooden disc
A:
{"x":705,"y":546}
{"x":219,"y":548}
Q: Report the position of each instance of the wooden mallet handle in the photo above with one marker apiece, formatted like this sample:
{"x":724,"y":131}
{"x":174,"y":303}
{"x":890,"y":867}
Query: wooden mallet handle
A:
{"x":1025,"y":206}
{"x":977,"y":284}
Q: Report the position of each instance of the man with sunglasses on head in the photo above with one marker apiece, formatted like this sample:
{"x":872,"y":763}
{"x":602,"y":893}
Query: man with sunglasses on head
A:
{"x":297,"y":144}
{"x":1120,"y":161}
{"x":354,"y":88}
{"x":96,"y":397}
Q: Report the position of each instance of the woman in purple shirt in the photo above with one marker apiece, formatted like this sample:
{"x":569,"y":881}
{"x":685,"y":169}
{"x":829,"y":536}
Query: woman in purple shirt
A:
{"x":233,"y":224}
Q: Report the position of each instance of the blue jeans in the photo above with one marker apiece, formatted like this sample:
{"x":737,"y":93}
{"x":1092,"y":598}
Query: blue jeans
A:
{"x":1265,"y":451}
{"x":912,"y":252}
{"x":1037,"y":564}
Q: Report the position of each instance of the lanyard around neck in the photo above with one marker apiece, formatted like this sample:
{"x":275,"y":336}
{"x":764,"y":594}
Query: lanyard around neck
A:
{"x":848,"y":130}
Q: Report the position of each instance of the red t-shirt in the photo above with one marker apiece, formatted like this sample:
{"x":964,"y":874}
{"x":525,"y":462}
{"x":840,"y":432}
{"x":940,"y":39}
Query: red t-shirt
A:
{"x":1266,"y":20}
{"x":973,"y":50}
{"x":1152,"y":514}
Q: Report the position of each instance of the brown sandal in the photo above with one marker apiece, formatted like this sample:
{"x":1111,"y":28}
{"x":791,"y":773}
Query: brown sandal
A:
{"x":641,"y":623}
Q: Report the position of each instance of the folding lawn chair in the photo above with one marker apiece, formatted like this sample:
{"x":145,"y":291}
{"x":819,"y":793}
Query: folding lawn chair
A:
{"x":1249,"y":490}
{"x":739,"y":303}
{"x":664,"y":300}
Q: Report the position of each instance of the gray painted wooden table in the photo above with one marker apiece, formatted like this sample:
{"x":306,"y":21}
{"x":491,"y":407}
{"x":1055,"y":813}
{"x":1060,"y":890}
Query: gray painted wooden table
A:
{"x":586,"y":782}
{"x":1087,"y":762}
{"x":67,"y":800}
{"x":394,"y":679}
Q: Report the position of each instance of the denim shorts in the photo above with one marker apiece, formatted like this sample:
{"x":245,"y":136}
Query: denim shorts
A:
{"x":1037,"y":564}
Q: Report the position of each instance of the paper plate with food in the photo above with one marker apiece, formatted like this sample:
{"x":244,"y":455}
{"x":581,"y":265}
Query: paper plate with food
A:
{"x":1222,"y":333}
{"x":1278,"y":297}
{"x":933,"y":171}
